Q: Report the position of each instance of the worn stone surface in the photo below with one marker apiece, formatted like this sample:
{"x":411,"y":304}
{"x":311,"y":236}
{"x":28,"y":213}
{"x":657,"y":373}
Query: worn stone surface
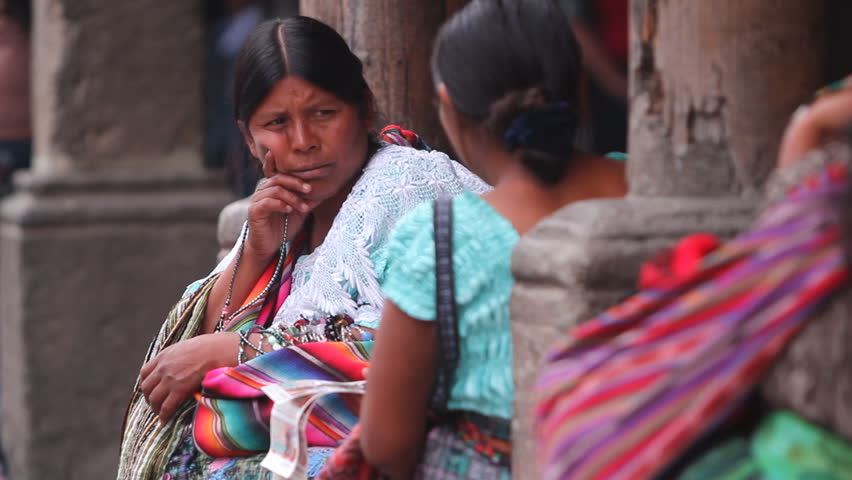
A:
{"x":580,"y":261}
{"x":88,"y":271}
{"x":117,"y":84}
{"x":712,"y":89}
{"x":812,"y":378}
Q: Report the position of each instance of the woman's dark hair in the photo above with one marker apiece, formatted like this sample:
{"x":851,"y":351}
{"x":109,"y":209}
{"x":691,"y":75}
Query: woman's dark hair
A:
{"x":502,"y":59}
{"x":18,"y":10}
{"x":302,"y":47}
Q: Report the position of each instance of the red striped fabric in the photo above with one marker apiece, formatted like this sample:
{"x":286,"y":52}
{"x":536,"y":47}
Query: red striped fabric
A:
{"x":629,"y":391}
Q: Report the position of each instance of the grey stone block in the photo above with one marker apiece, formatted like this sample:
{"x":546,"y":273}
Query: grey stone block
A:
{"x":117,"y":84}
{"x":89,"y":267}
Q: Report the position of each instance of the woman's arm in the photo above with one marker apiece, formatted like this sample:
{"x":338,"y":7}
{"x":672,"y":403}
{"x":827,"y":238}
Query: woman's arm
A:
{"x":400,"y":381}
{"x":813,"y":125}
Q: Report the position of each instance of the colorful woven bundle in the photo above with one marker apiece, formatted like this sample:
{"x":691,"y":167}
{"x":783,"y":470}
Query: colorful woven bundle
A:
{"x":629,"y":391}
{"x":232,"y":417}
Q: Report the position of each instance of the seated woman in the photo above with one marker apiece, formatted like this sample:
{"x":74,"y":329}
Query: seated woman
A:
{"x":667,"y":384}
{"x":506,"y":76}
{"x":312,"y":256}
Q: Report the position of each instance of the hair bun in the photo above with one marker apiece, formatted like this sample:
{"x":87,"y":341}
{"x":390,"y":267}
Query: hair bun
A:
{"x":542,"y":133}
{"x":548,"y":129}
{"x":503,"y":111}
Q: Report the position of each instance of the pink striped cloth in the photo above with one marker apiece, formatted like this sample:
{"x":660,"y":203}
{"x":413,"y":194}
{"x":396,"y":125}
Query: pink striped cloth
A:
{"x":629,"y":391}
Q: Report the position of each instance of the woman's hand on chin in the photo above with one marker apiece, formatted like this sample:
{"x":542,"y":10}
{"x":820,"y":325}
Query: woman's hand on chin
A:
{"x":278,"y":195}
{"x":175,"y":374}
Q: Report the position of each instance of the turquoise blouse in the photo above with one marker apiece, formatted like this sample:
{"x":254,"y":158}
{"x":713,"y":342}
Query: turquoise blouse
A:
{"x":482,"y":251}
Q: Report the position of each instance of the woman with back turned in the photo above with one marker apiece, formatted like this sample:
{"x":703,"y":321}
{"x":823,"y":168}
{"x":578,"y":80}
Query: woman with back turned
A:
{"x":506,"y":77}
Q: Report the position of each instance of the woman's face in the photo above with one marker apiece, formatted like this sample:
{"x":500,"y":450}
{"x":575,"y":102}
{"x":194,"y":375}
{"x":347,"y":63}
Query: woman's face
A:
{"x":312,"y":135}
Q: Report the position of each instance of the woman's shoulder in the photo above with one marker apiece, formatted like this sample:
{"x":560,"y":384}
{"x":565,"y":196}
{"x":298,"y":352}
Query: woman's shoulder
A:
{"x":405,"y":157}
{"x":482,"y":245}
{"x":422,"y":169}
{"x":479,"y":230}
{"x":471,"y":212}
{"x":476,"y":226}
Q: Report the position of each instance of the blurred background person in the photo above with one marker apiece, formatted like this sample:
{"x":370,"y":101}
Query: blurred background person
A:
{"x":601,"y":29}
{"x":15,"y":133}
{"x":15,"y":129}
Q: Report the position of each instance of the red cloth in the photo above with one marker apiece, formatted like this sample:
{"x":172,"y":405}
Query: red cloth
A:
{"x":612,"y":25}
{"x":681,"y":260}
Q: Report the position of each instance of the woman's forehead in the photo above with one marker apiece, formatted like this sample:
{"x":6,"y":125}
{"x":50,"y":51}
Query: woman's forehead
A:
{"x":292,"y":91}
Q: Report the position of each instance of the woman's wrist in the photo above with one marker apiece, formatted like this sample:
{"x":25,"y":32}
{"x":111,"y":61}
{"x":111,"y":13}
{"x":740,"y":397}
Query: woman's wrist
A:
{"x":803,"y":136}
{"x":226,"y":347}
{"x":258,"y":260}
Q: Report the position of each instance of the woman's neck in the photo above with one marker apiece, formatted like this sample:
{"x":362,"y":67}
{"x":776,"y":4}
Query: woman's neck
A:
{"x":588,"y":177}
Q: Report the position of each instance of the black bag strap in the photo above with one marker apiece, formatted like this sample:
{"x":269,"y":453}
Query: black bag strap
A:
{"x":445,"y":303}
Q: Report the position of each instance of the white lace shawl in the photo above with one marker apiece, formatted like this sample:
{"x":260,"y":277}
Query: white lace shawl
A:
{"x":339,"y":277}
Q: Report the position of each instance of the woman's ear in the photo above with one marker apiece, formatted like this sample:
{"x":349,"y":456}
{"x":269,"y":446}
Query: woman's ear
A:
{"x":248,"y":139}
{"x":446,"y":110}
{"x":443,"y":95}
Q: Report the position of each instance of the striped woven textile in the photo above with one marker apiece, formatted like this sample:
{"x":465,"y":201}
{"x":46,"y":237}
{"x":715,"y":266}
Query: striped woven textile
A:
{"x":232,"y":417}
{"x":147,"y":445}
{"x":629,"y":391}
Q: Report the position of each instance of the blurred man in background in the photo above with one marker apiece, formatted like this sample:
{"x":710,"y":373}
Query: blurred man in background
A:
{"x":601,"y":29}
{"x":15,"y":129}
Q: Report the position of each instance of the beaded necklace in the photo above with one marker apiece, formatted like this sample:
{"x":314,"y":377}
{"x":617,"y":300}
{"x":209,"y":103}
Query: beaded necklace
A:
{"x":224,"y":317}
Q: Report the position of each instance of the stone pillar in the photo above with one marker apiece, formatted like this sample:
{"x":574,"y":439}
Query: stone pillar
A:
{"x":711,"y":90}
{"x":101,"y":237}
{"x":394,"y":40}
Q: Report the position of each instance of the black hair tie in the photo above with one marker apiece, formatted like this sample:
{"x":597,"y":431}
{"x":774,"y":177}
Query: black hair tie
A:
{"x":548,"y":129}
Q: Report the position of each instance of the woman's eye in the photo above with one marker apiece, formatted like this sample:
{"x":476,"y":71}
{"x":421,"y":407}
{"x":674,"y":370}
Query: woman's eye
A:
{"x":326,"y":112}
{"x":277,"y":121}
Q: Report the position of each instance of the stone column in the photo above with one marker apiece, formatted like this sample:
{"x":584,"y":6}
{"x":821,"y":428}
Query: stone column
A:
{"x":101,"y":237}
{"x":711,"y":89}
